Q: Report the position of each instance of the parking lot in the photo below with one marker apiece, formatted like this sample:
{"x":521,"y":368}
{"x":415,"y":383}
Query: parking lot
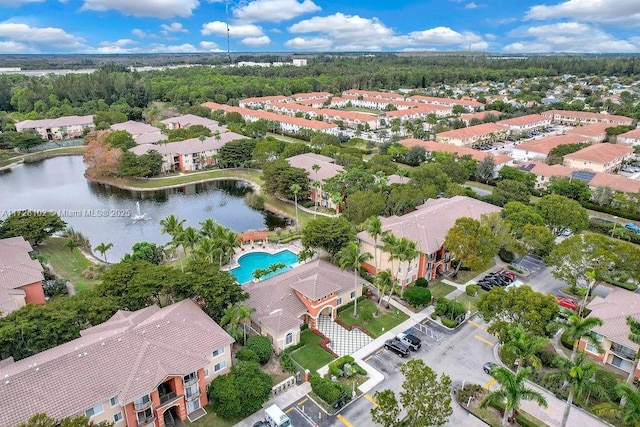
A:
{"x":306,"y":412}
{"x":530,"y":263}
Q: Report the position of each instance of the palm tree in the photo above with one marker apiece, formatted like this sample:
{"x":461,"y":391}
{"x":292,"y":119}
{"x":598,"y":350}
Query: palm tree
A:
{"x":171,"y":225}
{"x":406,"y":252}
{"x":634,"y":336}
{"x":189,"y":238}
{"x":229,"y":243}
{"x":384,"y":280}
{"x":295,"y":188}
{"x":391,"y":247}
{"x":523,"y":347}
{"x":374,"y":229}
{"x":72,"y":245}
{"x":513,"y":390}
{"x":316,"y":184}
{"x":207,"y":248}
{"x":579,"y":374}
{"x":578,"y":327}
{"x":628,"y":409}
{"x":103,"y":248}
{"x":350,"y":257}
{"x":209,"y":228}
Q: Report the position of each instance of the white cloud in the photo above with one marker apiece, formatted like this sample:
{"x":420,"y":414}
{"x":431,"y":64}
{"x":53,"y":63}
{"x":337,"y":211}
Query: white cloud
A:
{"x":139,"y":33}
{"x":219,"y":28}
{"x":274,"y":10}
{"x":183,"y":48}
{"x":569,"y":37}
{"x":472,"y":5}
{"x":15,"y":47}
{"x":118,"y":43}
{"x":209,"y":46}
{"x":40,"y":38}
{"x":354,"y":33}
{"x":154,"y":8}
{"x":622,"y":12}
{"x":173,"y":28}
{"x":309,"y":44}
{"x":256,"y":41}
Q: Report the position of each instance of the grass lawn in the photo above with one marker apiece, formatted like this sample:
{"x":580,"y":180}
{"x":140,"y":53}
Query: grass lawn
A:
{"x":440,"y":289}
{"x":311,"y":356}
{"x":286,"y":138}
{"x":465,"y":275}
{"x":379,"y":325}
{"x":212,"y":420}
{"x":470,"y":302}
{"x":64,"y":264}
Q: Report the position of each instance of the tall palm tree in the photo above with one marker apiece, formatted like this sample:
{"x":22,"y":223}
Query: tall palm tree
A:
{"x":374,"y":229}
{"x":295,"y":188}
{"x":579,"y":374}
{"x":406,"y":252}
{"x":513,"y":390}
{"x":103,"y":248}
{"x":350,"y":257}
{"x":316,"y":184}
{"x":578,"y":327}
{"x":209,"y":228}
{"x":208,"y":249}
{"x":391,"y":247}
{"x":634,"y":336}
{"x":384,"y":280}
{"x":72,"y":245}
{"x":230,"y":242}
{"x":523,"y":347}
{"x":171,"y":225}
{"x":189,"y":238}
{"x":628,"y":409}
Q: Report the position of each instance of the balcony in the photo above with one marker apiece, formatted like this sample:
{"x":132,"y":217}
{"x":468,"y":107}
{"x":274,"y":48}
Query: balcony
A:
{"x":146,"y":421}
{"x":142,"y":405}
{"x":168,"y":397}
{"x":190,"y":380}
{"x":192,"y":395}
{"x":623,"y":352}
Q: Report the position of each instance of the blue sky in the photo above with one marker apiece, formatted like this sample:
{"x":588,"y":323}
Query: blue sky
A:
{"x":165,"y":26}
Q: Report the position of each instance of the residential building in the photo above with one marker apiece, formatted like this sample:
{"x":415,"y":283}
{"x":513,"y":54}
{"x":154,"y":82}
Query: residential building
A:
{"x":545,"y":172}
{"x":191,"y":154}
{"x":189,"y":120}
{"x":539,"y":149}
{"x":427,"y":226}
{"x":480,"y":115}
{"x":525,"y":124}
{"x":260,"y":102}
{"x":594,"y":132}
{"x":469,"y":105}
{"x":473,"y":135}
{"x":326,"y":168}
{"x":632,"y":137}
{"x":66,"y":127}
{"x":420,"y":112}
{"x":142,"y":133}
{"x":350,"y":119}
{"x":312,"y":96}
{"x":576,"y":118}
{"x":301,"y":295}
{"x":20,"y":276}
{"x":142,"y":368}
{"x":613,"y":310}
{"x":603,"y":157}
{"x":388,"y":96}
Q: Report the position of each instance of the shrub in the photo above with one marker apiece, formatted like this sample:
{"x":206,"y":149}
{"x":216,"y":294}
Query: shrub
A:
{"x":449,"y":308}
{"x":261,"y":346}
{"x":546,"y":357}
{"x":366,"y":312}
{"x":566,"y":342}
{"x":247,"y":355}
{"x":506,"y":255}
{"x":472,"y":290}
{"x":326,"y":389}
{"x":336,"y":365}
{"x":285,"y":358}
{"x":418,"y":297}
{"x":304,"y":326}
{"x":242,"y":392}
{"x":469,"y":390}
{"x":421,"y":282}
{"x":448,"y":322}
{"x":608,"y":381}
{"x":434,"y":316}
{"x":254,"y":200}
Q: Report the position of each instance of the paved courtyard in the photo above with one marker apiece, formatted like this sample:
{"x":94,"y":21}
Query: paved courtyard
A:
{"x":343,"y":342}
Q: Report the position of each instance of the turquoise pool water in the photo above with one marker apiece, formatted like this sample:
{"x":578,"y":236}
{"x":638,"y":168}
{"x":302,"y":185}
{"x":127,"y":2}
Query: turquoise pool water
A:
{"x":254,"y":260}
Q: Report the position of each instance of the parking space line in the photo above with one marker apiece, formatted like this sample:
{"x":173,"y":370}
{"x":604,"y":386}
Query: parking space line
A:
{"x":306,"y":417}
{"x":370,"y":399}
{"x":302,"y":401}
{"x":478,"y":337}
{"x":289,"y":410}
{"x":368,"y":358}
{"x":380,"y":351}
{"x":477,"y":325}
{"x":490,"y":384}
{"x":344,"y":421}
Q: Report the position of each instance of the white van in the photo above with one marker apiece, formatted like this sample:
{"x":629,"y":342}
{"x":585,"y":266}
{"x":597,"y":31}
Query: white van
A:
{"x":275,"y":417}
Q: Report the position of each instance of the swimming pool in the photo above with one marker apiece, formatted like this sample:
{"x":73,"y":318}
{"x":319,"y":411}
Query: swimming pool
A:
{"x":254,"y":260}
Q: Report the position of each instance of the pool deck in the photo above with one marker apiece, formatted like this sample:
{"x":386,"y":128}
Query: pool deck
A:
{"x":270,"y":248}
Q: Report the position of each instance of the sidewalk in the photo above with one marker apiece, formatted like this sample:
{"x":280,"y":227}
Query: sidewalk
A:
{"x":283,"y":400}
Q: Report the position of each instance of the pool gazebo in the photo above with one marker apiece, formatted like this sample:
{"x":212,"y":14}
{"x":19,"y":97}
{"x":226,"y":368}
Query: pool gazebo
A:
{"x":253,"y":236}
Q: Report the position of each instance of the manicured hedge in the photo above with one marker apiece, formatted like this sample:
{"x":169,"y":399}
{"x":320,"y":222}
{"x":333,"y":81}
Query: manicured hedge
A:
{"x":327,"y":390}
{"x":417,"y":296}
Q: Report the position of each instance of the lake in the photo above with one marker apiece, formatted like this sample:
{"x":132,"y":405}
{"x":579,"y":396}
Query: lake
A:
{"x":105,"y":214}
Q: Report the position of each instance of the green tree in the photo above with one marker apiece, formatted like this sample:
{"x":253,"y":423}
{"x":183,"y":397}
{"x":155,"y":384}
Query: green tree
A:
{"x":486,"y":169}
{"x":72,"y":245}
{"x":510,"y":191}
{"x":43,"y":420}
{"x":574,"y":189}
{"x":519,"y":215}
{"x":279,"y":178}
{"x":523,"y":347}
{"x":578,"y":328}
{"x":579,"y":374}
{"x":295,"y":189}
{"x":629,"y":408}
{"x":425,"y":397}
{"x":146,"y":251}
{"x":103,"y":248}
{"x":328,"y":233}
{"x":33,"y":226}
{"x":120,"y":139}
{"x":515,"y":174}
{"x":562,"y":214}
{"x":634,"y":336}
{"x":350,"y":257}
{"x":237,"y":153}
{"x":470,"y":243}
{"x":505,"y":308}
{"x":241,"y":393}
{"x":513,"y":390}
{"x":237,"y":315}
{"x":538,"y":239}
{"x":364,"y":204}
{"x":261,"y":346}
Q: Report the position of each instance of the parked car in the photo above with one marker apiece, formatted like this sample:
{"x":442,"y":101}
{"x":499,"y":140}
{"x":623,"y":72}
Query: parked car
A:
{"x":397,"y":346}
{"x":496,"y":279}
{"x":508,"y":274}
{"x":486,"y":285}
{"x":410,"y":340}
{"x":488,"y":367}
{"x":631,"y":226}
{"x":567,"y":303}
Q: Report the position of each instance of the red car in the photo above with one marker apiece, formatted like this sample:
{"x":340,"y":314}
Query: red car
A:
{"x":508,"y":274}
{"x":567,"y":303}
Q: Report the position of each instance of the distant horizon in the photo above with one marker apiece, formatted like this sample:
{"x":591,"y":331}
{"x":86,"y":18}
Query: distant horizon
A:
{"x":498,"y":27}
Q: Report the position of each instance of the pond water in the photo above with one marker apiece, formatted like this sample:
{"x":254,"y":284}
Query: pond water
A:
{"x":105,"y":214}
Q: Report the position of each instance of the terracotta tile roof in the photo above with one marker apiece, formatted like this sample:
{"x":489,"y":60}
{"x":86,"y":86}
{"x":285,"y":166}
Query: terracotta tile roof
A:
{"x":293,"y":107}
{"x":530,"y":119}
{"x":632,"y":134}
{"x":615,"y":182}
{"x":54,"y":123}
{"x":614,"y":310}
{"x":191,"y":119}
{"x":189,"y":146}
{"x":446,"y":101}
{"x":601,"y":153}
{"x":276,"y":303}
{"x":348,"y":115}
{"x":591,"y":130}
{"x":477,"y":130}
{"x":419,"y":109}
{"x":430,"y":222}
{"x":372,"y":94}
{"x":480,"y":115}
{"x":311,"y":95}
{"x":127,"y":356}
{"x":328,"y":168}
{"x":264,"y":99}
{"x":431,"y":146}
{"x":546,"y":144}
{"x":588,"y":115}
{"x":17,"y":269}
{"x":543,"y":169}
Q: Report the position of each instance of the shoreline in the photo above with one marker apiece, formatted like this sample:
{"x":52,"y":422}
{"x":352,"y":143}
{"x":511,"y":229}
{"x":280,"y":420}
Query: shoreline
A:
{"x":43,"y":155}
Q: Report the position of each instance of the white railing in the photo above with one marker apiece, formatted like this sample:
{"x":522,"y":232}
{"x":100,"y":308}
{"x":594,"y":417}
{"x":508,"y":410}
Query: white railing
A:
{"x":283,"y":386}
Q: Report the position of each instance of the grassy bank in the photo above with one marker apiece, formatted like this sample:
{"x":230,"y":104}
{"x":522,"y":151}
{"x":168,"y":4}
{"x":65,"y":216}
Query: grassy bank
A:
{"x":67,"y":264}
{"x":13,"y":157}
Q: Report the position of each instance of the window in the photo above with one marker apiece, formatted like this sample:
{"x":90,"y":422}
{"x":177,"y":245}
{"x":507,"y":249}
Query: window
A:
{"x":288,"y":339}
{"x":113,"y":401}
{"x":144,"y":415}
{"x":117,"y":417}
{"x":340,"y":301}
{"x":218,"y":352}
{"x":220,"y":366}
{"x":592,"y":349}
{"x":206,"y":373}
{"x":95,"y":410}
{"x":353,"y":294}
